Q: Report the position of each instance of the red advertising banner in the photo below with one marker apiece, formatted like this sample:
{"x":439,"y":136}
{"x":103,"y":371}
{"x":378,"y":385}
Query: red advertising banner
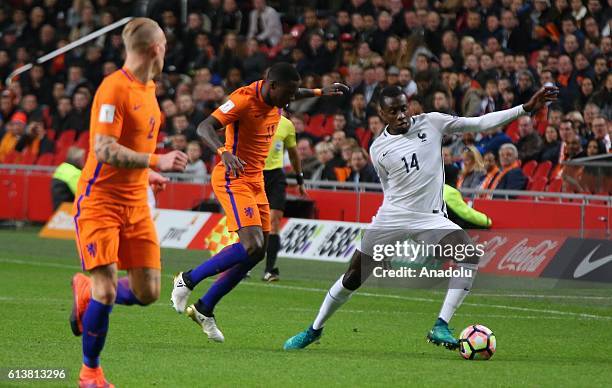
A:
{"x":516,"y":252}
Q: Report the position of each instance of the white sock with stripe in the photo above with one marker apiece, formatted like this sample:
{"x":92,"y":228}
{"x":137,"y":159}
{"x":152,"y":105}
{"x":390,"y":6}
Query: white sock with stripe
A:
{"x":458,"y":289}
{"x":336,"y":297}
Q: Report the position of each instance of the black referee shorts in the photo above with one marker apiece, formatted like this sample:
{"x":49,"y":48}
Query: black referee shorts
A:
{"x":276,"y":183}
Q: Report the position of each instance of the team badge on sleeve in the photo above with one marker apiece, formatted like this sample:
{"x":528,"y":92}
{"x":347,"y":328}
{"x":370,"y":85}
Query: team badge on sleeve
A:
{"x":229,"y":105}
{"x":107,"y":113}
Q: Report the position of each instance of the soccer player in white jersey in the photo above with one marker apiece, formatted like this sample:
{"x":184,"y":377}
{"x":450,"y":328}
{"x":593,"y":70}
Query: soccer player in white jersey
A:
{"x":407,"y":157}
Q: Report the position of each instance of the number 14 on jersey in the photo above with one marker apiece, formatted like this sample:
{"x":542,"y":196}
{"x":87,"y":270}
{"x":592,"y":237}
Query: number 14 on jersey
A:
{"x":414,"y":162}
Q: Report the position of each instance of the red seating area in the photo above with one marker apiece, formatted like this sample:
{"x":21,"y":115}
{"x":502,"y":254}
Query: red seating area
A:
{"x":65,"y":140}
{"x":538,"y":175}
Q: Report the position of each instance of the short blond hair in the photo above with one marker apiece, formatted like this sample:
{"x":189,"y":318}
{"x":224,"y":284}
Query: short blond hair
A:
{"x":139,"y":34}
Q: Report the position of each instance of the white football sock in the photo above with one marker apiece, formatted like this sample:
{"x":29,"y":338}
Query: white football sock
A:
{"x":336,"y":297}
{"x":458,"y":289}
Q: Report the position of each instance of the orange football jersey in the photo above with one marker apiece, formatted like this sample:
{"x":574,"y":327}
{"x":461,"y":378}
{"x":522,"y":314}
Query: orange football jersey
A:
{"x":250,"y":126}
{"x":127,"y":109}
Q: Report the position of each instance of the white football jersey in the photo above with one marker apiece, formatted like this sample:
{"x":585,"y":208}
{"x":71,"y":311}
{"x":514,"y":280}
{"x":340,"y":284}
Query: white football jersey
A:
{"x":411,"y":167}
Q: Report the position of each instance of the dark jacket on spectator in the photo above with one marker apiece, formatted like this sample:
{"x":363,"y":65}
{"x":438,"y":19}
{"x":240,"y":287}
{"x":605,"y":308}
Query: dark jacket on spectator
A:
{"x":550,"y":152}
{"x":366,"y":175}
{"x":513,"y":180}
{"x":492,"y":143}
{"x":254,"y":67}
{"x":529,"y":147}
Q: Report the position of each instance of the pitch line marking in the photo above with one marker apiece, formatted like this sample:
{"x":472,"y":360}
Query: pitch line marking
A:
{"x":366,"y":294}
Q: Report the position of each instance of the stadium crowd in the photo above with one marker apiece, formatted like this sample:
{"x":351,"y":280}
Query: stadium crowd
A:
{"x":467,"y":58}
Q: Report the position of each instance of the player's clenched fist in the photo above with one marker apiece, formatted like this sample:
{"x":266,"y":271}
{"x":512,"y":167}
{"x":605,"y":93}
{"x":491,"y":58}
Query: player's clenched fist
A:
{"x":233,"y":164}
{"x":173,"y":161}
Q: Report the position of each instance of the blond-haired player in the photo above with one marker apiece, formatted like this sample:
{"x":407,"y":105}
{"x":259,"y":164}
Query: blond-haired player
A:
{"x":114,"y":229}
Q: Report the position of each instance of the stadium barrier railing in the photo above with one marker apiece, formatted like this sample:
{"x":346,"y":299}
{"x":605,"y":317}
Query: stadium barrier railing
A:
{"x":25,"y":195}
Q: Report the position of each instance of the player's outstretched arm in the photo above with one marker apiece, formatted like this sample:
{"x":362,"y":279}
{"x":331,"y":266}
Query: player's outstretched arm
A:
{"x":335,"y":89}
{"x":109,"y":151}
{"x":496,"y":119}
{"x":207,"y":130}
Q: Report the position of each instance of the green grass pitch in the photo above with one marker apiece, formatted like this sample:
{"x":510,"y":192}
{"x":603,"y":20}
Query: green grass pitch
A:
{"x":556,"y":338}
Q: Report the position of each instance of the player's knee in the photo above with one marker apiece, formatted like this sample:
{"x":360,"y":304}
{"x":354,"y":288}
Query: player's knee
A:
{"x":352,"y":279}
{"x":105,"y":295}
{"x":256,"y":252}
{"x":147,"y":295}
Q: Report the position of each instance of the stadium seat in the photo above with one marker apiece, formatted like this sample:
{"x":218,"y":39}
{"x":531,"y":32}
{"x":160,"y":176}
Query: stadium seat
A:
{"x":543,"y":170}
{"x":555,"y":186}
{"x":60,"y":156}
{"x":66,"y":139}
{"x":83,"y":140}
{"x":51,"y":134}
{"x":12,"y":157}
{"x":537,"y":184}
{"x":363,"y":137}
{"x":45,"y":160}
{"x":529,"y":168}
{"x":28,"y":158}
{"x":513,"y":132}
{"x":315,"y":124}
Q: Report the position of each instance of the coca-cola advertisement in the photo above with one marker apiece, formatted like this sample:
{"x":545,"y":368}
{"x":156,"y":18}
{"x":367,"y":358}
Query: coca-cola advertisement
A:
{"x":510,"y":252}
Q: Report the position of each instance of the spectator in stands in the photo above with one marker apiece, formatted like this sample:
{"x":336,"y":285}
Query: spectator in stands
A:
{"x":492,"y":140}
{"x":357,"y":117}
{"x":551,"y":145}
{"x":529,"y":144}
{"x":375,"y":128}
{"x":181,"y":125}
{"x":79,"y":115}
{"x":595,"y":147}
{"x":511,"y":176}
{"x":459,"y":144}
{"x":406,"y":82}
{"x":179,"y":142}
{"x":441,"y":103}
{"x":255,"y":62}
{"x":451,"y":171}
{"x":308,"y":160}
{"x":228,"y":57}
{"x":525,"y":87}
{"x":195,"y":165}
{"x":187,"y":107}
{"x":14,"y":131}
{"x":29,"y":106}
{"x":7,"y":106}
{"x":325,"y":155}
{"x":555,"y":115}
{"x":62,"y":119}
{"x":76,"y":78}
{"x":600,"y":132}
{"x":337,"y":139}
{"x":473,"y":172}
{"x":66,"y":177}
{"x":264,"y":24}
{"x":362,"y":170}
{"x":35,"y":140}
{"x":590,"y":112}
{"x":491,"y":170}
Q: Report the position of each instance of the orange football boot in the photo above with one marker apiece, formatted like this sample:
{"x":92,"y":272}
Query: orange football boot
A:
{"x":93,"y":378}
{"x":81,"y":291}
